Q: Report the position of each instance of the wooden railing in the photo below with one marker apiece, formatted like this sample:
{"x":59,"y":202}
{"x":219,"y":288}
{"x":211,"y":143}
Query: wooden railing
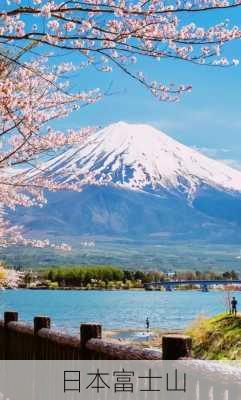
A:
{"x":20,"y":341}
{"x":206,"y":380}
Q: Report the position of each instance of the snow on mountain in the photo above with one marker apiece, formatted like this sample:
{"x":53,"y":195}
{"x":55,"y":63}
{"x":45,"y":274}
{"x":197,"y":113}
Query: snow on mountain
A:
{"x":139,"y":157}
{"x":192,"y":196}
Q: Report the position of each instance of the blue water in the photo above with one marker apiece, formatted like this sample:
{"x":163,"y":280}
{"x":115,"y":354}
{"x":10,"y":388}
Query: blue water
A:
{"x":114,"y":309}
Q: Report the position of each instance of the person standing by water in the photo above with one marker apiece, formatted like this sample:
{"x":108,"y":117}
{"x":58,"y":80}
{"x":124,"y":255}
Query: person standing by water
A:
{"x":234,"y":306}
{"x":147,"y":323}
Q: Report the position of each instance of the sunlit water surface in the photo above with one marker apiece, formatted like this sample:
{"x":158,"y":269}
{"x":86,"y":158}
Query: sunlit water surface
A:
{"x":114,"y":309}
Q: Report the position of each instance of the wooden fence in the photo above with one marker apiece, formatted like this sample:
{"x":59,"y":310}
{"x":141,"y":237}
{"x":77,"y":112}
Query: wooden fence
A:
{"x":20,"y":341}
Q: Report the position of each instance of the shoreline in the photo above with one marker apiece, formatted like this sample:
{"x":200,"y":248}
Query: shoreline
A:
{"x":140,"y":337}
{"x":78,"y":288}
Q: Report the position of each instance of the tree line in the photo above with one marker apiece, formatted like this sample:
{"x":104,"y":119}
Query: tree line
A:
{"x":103,"y":275}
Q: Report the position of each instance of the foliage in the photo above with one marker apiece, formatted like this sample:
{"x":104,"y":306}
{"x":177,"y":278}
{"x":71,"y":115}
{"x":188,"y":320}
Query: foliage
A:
{"x":9,"y":278}
{"x":217,"y":338}
{"x":207,"y":275}
{"x":144,"y":276}
{"x":169,"y":256}
{"x":82,"y":276}
{"x":111,"y":33}
{"x":2,"y":275}
{"x":53,"y":285}
{"x":103,"y":35}
{"x":103,"y":276}
{"x":32,"y":96}
{"x":230,"y":275}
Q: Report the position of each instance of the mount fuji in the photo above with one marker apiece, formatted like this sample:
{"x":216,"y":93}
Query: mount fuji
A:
{"x":144,"y":185}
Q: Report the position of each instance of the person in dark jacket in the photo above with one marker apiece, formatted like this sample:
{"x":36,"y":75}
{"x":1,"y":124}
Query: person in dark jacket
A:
{"x":234,"y":306}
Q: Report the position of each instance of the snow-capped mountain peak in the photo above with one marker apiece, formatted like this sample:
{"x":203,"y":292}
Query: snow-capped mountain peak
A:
{"x":140,"y":157}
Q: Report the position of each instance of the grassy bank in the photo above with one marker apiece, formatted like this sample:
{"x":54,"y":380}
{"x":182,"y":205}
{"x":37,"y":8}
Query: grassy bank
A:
{"x":218,"y":338}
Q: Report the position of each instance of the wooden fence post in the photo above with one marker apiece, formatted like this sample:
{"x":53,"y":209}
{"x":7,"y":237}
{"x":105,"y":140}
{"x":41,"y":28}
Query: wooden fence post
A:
{"x":87,"y":332}
{"x":176,"y":346}
{"x":40,"y":322}
{"x":9,"y":316}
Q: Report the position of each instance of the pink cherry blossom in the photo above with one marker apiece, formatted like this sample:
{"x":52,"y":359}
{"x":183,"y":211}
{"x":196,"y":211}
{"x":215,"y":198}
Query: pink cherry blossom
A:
{"x":123,"y":32}
{"x":32,"y":96}
{"x":104,"y":34}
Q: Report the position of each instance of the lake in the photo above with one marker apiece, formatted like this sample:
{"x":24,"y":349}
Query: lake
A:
{"x":114,"y":309}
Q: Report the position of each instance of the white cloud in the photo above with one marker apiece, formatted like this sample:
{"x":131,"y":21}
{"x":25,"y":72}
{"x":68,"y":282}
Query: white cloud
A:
{"x":220,"y":155}
{"x":230,"y":156}
{"x":233,"y":163}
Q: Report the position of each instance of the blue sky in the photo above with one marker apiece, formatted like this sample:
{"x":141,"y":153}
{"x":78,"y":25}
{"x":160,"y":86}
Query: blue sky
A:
{"x":208,"y":118}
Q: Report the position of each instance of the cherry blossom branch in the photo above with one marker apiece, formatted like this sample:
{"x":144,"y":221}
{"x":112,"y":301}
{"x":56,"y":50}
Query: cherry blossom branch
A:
{"x":124,"y":30}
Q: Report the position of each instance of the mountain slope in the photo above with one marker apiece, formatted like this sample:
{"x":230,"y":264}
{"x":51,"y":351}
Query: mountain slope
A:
{"x":114,"y":213}
{"x":139,"y":157}
{"x":143,"y":185}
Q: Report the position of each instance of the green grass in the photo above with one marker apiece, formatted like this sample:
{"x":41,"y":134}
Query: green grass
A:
{"x":218,"y":338}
